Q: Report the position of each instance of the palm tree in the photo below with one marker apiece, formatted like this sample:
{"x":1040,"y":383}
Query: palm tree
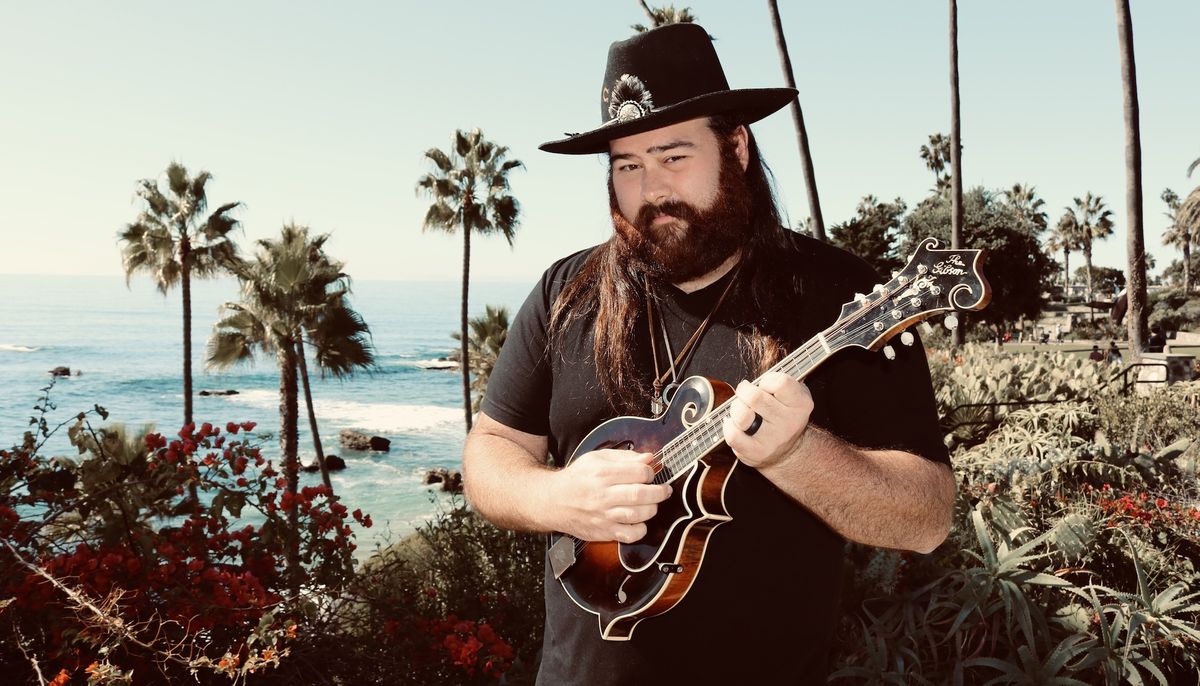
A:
{"x":470,"y":191}
{"x":1094,"y":221}
{"x":936,"y":156}
{"x":488,"y":333}
{"x":1065,"y":237}
{"x":661,"y":16}
{"x":1188,"y":219}
{"x":1024,"y":200}
{"x":1178,"y":235}
{"x":810,"y":178}
{"x":289,"y":289}
{"x":340,"y":341}
{"x":173,"y":241}
{"x":1135,"y":242}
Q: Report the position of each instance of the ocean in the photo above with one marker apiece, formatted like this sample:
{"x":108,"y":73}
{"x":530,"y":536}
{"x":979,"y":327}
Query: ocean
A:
{"x":125,"y":351}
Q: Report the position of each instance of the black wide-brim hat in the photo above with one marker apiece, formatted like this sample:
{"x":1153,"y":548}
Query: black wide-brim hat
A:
{"x":661,"y":77}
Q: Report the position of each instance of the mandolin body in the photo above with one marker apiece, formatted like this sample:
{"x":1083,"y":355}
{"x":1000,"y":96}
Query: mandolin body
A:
{"x":625,"y":583}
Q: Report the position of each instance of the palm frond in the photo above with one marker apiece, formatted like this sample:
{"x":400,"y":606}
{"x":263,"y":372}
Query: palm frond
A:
{"x":177,"y":179}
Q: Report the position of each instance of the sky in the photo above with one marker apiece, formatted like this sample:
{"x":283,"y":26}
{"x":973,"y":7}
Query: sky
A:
{"x":319,"y":114}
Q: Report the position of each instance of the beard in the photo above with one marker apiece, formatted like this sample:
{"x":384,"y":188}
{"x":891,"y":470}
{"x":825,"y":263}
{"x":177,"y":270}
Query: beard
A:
{"x":696,"y":241}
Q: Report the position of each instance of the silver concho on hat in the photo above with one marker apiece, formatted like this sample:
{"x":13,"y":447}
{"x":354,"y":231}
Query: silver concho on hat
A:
{"x":629,"y":100}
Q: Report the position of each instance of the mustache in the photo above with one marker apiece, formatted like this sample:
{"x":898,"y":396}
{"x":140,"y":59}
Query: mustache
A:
{"x":675,"y":208}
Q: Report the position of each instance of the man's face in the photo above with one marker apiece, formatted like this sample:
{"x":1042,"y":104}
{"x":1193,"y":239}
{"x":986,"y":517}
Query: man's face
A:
{"x":683,"y":191}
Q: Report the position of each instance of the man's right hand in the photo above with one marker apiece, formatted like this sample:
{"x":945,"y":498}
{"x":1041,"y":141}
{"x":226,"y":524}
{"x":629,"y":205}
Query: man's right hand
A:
{"x":606,"y":495}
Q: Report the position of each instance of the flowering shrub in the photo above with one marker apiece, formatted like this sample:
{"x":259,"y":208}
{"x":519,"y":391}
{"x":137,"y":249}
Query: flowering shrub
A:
{"x":158,"y":556}
{"x":1074,"y":559}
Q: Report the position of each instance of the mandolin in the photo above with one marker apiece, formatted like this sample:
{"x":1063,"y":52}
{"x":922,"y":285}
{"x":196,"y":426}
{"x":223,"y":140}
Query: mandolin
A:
{"x":624,"y":583}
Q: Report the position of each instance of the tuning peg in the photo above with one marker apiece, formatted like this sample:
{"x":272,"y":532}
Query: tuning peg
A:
{"x":951,"y":321}
{"x":926,"y":328}
{"x":859,"y":297}
{"x":907,"y":338}
{"x":878,"y":288}
{"x":889,"y":352}
{"x":895,"y":274}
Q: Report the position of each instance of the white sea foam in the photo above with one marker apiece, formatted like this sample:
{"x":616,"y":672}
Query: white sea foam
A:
{"x":387,"y":418}
{"x":14,"y":348}
{"x":434,"y":364}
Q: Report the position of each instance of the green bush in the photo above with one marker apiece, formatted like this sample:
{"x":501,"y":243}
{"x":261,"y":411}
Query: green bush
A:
{"x":975,"y":375}
{"x":457,"y":602}
{"x":1154,"y":421}
{"x":1072,"y":564}
{"x":1175,"y":310}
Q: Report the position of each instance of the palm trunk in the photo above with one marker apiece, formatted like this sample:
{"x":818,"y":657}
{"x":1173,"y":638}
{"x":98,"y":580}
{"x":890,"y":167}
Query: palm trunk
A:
{"x":185,"y":278}
{"x":810,"y":178}
{"x":288,"y":413}
{"x":312,"y":416}
{"x":1066,"y":274}
{"x":956,"y":223}
{"x":1087,"y":258}
{"x":185,"y":282}
{"x":1187,"y":267}
{"x":1135,"y":245}
{"x":464,"y":357}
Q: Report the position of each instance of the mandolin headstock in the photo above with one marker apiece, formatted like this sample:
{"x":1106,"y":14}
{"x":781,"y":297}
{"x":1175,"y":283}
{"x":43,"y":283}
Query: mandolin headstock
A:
{"x":933,"y":281}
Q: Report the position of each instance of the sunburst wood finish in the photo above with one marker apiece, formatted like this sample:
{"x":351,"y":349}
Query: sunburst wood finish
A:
{"x":625,"y":583}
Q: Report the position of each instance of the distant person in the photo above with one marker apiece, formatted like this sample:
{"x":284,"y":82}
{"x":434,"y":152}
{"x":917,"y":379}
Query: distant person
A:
{"x":1114,"y":353}
{"x":1157,"y":340}
{"x":1097,"y":355}
{"x":1058,"y":333}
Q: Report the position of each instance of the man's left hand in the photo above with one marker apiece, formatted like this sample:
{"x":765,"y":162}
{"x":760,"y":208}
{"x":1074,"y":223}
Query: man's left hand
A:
{"x":784,"y":405}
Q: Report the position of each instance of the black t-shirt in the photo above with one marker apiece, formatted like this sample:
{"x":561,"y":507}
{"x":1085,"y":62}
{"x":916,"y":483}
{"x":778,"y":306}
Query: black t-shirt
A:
{"x":765,"y":602}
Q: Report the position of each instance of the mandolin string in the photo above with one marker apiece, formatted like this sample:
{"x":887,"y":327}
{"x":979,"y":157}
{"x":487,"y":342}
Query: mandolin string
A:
{"x":809,"y":352}
{"x":790,"y":362}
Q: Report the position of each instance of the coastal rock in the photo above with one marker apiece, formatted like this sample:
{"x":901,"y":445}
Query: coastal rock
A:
{"x":332,"y":462}
{"x":226,"y":392}
{"x":353,"y":440}
{"x":60,"y":371}
{"x":450,"y":479}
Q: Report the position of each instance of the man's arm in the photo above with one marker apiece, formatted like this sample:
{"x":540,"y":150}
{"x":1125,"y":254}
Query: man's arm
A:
{"x":886,"y":498}
{"x":604,"y":495}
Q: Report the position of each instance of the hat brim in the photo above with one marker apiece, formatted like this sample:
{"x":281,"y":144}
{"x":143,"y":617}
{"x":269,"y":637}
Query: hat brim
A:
{"x":749,"y":104}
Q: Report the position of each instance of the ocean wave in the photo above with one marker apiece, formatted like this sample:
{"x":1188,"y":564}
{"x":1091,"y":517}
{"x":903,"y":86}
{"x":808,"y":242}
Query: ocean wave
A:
{"x":434,"y":364}
{"x":386,"y":418}
{"x":14,"y":348}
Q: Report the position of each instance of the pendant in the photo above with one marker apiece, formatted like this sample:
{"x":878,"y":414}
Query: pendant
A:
{"x":659,"y":405}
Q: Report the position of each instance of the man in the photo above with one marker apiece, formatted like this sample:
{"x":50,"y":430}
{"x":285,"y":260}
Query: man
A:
{"x":1157,"y":342}
{"x":1114,"y":353}
{"x":1096,"y":355}
{"x":698,"y":252}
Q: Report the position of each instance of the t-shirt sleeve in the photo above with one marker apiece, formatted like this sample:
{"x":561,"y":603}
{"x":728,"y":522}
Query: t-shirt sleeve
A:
{"x":877,"y":403}
{"x":518,"y":390}
{"x":884,"y":404}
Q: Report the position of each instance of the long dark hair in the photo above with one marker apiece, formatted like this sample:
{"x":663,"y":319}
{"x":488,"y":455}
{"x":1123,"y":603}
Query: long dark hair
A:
{"x":611,"y":287}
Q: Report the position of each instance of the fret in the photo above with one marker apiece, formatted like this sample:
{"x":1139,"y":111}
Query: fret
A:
{"x":699,"y":440}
